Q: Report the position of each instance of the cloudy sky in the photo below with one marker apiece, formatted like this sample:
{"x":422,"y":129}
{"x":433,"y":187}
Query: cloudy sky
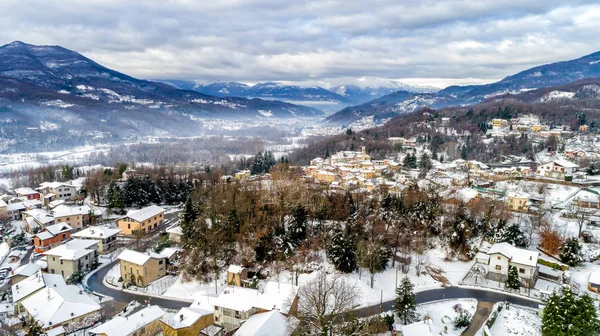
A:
{"x":323,"y":42}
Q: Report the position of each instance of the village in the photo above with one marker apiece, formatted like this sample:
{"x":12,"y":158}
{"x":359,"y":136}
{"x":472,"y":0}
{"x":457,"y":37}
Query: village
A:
{"x":67,"y":261}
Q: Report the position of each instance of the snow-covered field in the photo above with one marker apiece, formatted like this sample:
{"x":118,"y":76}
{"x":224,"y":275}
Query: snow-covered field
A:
{"x":442,"y":315}
{"x":516,"y":321}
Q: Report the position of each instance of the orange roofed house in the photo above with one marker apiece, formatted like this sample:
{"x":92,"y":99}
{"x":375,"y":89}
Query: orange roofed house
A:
{"x":51,"y":236}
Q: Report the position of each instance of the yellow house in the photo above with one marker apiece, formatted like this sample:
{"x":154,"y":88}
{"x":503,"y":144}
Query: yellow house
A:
{"x":3,"y":210}
{"x":324,"y":176}
{"x":536,"y":128}
{"x":517,"y":201}
{"x":242,"y":175}
{"x":236,"y":275}
{"x":140,"y":269}
{"x":497,"y":122}
{"x":146,"y":220}
{"x":146,"y":322}
{"x":367,"y":173}
{"x":188,"y":321}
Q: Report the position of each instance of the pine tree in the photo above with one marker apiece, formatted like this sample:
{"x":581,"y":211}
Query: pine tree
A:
{"x":513,"y":235}
{"x":342,"y":250}
{"x":425,"y":163}
{"x":568,"y":315}
{"x":405,"y":304}
{"x":513,"y":278}
{"x":297,"y":227}
{"x":570,"y":252}
{"x":257,"y":164}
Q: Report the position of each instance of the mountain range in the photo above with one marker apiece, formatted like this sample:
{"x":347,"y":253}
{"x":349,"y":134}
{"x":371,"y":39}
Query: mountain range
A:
{"x":55,"y":77}
{"x":401,"y":102}
{"x":332,"y":99}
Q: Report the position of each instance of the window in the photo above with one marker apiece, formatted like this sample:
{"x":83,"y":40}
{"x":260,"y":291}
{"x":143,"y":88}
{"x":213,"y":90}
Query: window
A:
{"x":522,"y":270}
{"x":160,"y":262}
{"x":498,"y":267}
{"x":129,"y":226}
{"x":499,"y":258}
{"x":86,"y":257}
{"x":137,"y":271}
{"x":61,"y":262}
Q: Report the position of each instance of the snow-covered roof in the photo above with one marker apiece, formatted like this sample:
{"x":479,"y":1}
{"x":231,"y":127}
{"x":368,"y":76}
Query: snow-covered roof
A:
{"x":145,"y":213}
{"x":54,"y":185}
{"x":73,"y":249}
{"x":138,"y":258}
{"x":15,"y":206}
{"x":420,"y":328}
{"x":175,"y":230}
{"x":26,"y":270}
{"x":58,"y":228}
{"x":271,"y":323}
{"x":64,"y":211}
{"x":25,"y":191}
{"x":595,"y":278}
{"x":97,"y":232}
{"x":56,"y":203}
{"x":40,"y":215}
{"x":466,"y":194}
{"x":185,"y":317}
{"x":517,"y":194}
{"x":123,"y":326}
{"x":235,"y":269}
{"x":2,"y":204}
{"x":515,"y":254}
{"x":273,"y":296}
{"x":168,"y":252}
{"x":565,"y":163}
{"x":34,"y":283}
{"x":56,"y":331}
{"x":55,"y":305}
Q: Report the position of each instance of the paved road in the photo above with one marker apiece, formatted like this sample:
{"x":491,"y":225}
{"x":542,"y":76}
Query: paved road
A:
{"x":95,"y":284}
{"x":452,"y":293}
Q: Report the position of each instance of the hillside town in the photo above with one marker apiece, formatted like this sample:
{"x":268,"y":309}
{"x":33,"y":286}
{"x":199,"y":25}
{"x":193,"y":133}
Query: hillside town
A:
{"x":74,"y":261}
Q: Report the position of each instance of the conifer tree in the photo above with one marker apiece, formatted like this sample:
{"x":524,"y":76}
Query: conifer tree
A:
{"x":568,"y":315}
{"x":405,"y":304}
{"x":513,"y":278}
{"x":342,"y":250}
{"x":570,"y":252}
{"x":513,"y":235}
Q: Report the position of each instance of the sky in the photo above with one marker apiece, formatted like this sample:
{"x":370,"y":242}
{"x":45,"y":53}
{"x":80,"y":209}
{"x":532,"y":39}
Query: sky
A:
{"x":312,"y":42}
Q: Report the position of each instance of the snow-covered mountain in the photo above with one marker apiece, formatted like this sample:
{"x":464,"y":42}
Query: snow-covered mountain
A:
{"x":373,"y":90}
{"x":543,"y":76}
{"x":55,"y":77}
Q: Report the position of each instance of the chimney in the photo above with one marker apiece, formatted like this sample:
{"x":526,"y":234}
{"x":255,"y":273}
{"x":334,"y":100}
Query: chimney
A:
{"x":181,"y":317}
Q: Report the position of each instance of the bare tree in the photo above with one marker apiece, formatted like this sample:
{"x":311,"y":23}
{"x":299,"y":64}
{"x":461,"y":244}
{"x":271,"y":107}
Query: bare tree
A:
{"x":323,"y":300}
{"x":580,"y":217}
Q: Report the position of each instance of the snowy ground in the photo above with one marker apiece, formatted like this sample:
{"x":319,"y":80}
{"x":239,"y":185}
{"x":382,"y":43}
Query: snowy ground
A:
{"x":195,"y":290}
{"x":442,"y":315}
{"x":517,"y":320}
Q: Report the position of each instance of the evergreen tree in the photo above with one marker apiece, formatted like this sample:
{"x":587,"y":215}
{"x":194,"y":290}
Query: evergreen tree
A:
{"x":405,"y":304}
{"x":460,"y":230}
{"x":189,"y":213}
{"x":425,"y":163}
{"x":297,"y":227}
{"x":568,"y":315}
{"x":513,"y":278}
{"x":115,"y":200}
{"x":570,"y":252}
{"x":513,"y":235}
{"x":257,"y":164}
{"x":342,"y":250}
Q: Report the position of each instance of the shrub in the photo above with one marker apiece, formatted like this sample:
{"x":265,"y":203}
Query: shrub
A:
{"x":462,"y":320}
{"x":554,"y":265}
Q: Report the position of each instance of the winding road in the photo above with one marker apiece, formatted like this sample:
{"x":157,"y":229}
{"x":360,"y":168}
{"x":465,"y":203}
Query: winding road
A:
{"x":96,"y":284}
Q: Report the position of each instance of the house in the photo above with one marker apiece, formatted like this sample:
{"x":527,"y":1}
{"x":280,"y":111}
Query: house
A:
{"x":60,"y":306}
{"x":28,"y":193}
{"x":140,"y":269}
{"x":535,"y":128}
{"x":14,"y":210}
{"x":558,"y":169}
{"x":36,"y":219}
{"x":174,"y":233}
{"x":498,"y":122}
{"x":517,"y":200}
{"x":504,"y":255}
{"x":23,"y":272}
{"x":145,"y":322}
{"x":131,"y":174}
{"x":187,"y":321}
{"x":3,"y":210}
{"x":145,"y":220}
{"x":584,"y":128}
{"x":241,"y":175}
{"x":421,"y":328}
{"x":236,"y":275}
{"x":73,"y":257}
{"x":271,"y":323}
{"x":76,"y":216}
{"x":105,"y":236}
{"x":235,"y":305}
{"x":594,"y":282}
{"x":51,"y":236}
{"x":58,"y":190}
{"x":32,"y":284}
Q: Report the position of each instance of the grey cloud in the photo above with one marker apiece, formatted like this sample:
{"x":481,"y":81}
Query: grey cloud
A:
{"x":311,"y":41}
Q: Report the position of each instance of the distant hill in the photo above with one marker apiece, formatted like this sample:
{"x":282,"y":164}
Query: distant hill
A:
{"x":535,"y":78}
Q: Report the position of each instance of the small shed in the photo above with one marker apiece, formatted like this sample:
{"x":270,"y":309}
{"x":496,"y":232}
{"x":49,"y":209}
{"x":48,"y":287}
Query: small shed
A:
{"x":236,"y":275}
{"x":482,"y":258}
{"x":594,"y":282}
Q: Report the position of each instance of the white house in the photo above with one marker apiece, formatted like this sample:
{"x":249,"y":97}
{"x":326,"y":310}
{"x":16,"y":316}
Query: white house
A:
{"x":271,"y":323}
{"x":142,"y":322}
{"x":557,"y":169}
{"x":105,"y":236}
{"x":504,"y":255}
